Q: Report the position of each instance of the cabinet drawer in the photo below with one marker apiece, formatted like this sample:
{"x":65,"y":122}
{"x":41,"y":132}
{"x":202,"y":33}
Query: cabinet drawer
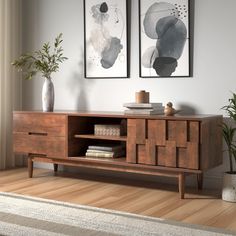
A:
{"x":45,"y":124}
{"x":40,"y":144}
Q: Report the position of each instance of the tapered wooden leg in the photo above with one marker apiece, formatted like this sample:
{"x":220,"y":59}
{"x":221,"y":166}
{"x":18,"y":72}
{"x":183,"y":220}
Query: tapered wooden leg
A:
{"x":55,"y":166}
{"x":30,"y":167}
{"x":200,"y":181}
{"x":181,"y":185}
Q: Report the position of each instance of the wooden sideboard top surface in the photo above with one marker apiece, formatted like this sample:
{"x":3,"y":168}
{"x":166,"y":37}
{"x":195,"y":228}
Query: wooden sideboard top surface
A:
{"x":123,"y":115}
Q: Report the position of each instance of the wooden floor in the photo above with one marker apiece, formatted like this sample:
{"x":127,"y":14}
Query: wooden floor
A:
{"x":144,"y":198}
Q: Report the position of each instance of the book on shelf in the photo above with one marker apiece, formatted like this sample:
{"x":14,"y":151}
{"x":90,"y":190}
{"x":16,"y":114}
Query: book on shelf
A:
{"x":106,"y":147}
{"x":99,"y":151}
{"x":145,"y":111}
{"x":90,"y":153}
{"x":143,"y":105}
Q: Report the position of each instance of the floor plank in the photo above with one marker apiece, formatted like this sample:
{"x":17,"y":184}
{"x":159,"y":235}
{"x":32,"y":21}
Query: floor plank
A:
{"x":140,"y":197}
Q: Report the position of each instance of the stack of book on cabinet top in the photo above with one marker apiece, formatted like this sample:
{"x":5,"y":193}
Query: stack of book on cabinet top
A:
{"x":144,"y":108}
{"x":106,"y":150}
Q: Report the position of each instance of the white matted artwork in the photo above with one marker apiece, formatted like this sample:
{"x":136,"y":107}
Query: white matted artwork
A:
{"x":105,"y":25}
{"x":164,"y":38}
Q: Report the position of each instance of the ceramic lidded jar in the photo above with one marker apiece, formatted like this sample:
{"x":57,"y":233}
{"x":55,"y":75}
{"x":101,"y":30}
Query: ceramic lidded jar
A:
{"x":142,"y":97}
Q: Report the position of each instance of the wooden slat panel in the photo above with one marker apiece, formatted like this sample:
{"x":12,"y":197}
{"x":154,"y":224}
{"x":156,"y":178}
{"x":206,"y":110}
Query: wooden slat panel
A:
{"x":157,"y":131}
{"x":142,"y":155}
{"x":131,"y":142}
{"x":136,"y":136}
{"x":177,"y":131}
{"x":182,"y":158}
{"x":161,"y":155}
{"x":188,"y":157}
{"x":193,"y":155}
{"x":170,"y":158}
{"x":131,"y":151}
{"x":150,"y":152}
{"x":193,"y":131}
{"x":147,"y":153}
{"x":211,"y":143}
{"x":52,"y":125}
{"x":137,"y":130}
{"x":46,"y":145}
{"x":140,"y":131}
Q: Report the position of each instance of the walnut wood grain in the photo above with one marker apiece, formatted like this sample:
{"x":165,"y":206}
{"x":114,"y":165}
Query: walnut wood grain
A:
{"x":45,"y":145}
{"x":177,"y":131}
{"x":155,"y":145}
{"x":211,"y":143}
{"x":103,"y":137}
{"x":131,"y":141}
{"x":51,"y":125}
{"x":193,"y":133}
{"x":108,"y":114}
{"x":181,"y":185}
{"x":155,"y":128}
{"x":170,"y":154}
{"x":30,"y":167}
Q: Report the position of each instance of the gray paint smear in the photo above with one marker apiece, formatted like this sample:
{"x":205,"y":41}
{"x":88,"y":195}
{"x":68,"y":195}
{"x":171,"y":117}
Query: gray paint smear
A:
{"x":154,"y":13}
{"x":165,"y":66}
{"x":99,"y":16}
{"x":109,"y":55}
{"x":149,"y":57}
{"x":173,"y":34}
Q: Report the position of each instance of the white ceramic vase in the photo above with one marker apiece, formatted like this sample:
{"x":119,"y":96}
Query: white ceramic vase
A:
{"x":229,"y":187}
{"x":48,"y":95}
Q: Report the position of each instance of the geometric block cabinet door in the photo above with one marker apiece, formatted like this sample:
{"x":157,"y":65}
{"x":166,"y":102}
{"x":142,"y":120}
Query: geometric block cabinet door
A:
{"x":181,"y":148}
{"x":137,"y":142}
{"x":140,"y":148}
{"x":170,"y":143}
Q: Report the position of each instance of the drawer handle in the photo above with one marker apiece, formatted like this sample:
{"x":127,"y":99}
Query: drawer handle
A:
{"x":39,"y":134}
{"x":37,"y":155}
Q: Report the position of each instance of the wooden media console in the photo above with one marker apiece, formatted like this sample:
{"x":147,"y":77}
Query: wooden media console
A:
{"x":173,"y":146}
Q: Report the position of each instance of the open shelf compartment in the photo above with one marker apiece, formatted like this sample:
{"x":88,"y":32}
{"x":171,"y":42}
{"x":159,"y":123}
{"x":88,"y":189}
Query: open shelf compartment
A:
{"x":81,"y":135}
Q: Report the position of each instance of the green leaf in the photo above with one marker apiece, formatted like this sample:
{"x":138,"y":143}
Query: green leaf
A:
{"x":44,"y":60}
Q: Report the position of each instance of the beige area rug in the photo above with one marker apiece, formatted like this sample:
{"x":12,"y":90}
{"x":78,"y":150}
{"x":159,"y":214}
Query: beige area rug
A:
{"x":21,"y":215}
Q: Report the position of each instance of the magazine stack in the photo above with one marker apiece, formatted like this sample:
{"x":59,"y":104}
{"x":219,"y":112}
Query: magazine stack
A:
{"x":144,"y":108}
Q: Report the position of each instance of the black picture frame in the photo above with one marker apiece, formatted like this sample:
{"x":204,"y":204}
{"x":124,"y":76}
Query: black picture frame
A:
{"x":106,"y":52}
{"x":163,"y":24}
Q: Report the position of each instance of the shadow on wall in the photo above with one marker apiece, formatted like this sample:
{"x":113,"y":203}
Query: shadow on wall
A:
{"x":79,"y":86}
{"x":186,"y":109}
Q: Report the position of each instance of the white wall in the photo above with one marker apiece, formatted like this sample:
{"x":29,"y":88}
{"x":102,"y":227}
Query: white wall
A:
{"x":206,"y":92}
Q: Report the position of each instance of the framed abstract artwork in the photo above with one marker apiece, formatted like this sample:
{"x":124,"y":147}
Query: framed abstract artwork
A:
{"x":105,"y":39}
{"x":164,"y":38}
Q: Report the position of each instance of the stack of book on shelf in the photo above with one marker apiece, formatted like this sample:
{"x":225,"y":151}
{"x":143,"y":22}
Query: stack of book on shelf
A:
{"x":144,"y":108}
{"x":106,"y":150}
